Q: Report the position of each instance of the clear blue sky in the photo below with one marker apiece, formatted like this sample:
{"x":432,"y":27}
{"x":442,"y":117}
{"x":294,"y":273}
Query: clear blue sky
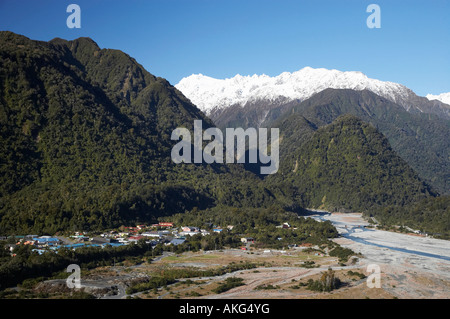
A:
{"x":175,"y":38}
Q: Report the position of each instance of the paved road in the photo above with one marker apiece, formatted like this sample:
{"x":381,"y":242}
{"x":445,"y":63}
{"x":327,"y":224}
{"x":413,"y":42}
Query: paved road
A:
{"x":65,"y":240}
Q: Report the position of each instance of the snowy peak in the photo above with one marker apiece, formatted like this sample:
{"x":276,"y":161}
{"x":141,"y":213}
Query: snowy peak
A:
{"x":210,"y":93}
{"x":443,"y":97}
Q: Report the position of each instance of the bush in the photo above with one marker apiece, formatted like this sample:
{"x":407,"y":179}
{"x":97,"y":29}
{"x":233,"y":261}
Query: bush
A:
{"x":266,"y":287}
{"x":357,"y":274}
{"x":327,"y":282}
{"x":342,"y":253}
{"x":309,"y":264}
{"x":152,"y":283}
{"x":229,"y":283}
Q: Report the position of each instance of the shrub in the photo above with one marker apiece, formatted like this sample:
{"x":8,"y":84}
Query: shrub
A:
{"x":229,"y":283}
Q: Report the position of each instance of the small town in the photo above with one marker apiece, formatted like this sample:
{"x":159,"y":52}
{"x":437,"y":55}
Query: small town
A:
{"x":162,"y":233}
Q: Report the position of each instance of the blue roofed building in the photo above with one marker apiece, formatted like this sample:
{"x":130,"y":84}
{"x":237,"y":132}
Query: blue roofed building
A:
{"x":177,"y":241}
{"x":46,"y":241}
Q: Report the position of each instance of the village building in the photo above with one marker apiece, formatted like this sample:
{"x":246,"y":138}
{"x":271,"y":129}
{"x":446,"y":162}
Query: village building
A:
{"x":45,"y":241}
{"x":153,"y":234}
{"x":246,"y":240}
{"x":165,"y":224}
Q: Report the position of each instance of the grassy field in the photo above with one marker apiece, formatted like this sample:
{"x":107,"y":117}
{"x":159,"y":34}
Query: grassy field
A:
{"x":280,"y":276}
{"x":271,"y":275}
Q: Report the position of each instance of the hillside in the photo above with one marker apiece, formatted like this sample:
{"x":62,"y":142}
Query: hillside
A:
{"x":430,"y":215}
{"x":85,"y":141}
{"x":420,"y":139}
{"x":417,"y":127}
{"x":348,"y":165}
{"x":85,"y":145}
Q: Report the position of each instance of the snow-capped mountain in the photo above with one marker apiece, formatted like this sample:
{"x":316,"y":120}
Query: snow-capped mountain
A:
{"x":211,"y":95}
{"x":416,"y":127}
{"x":443,"y":97}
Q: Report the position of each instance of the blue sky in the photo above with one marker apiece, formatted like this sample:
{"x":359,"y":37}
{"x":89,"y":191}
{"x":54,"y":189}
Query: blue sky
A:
{"x":175,"y":38}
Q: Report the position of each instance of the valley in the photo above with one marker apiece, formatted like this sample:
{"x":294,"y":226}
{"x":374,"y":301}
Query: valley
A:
{"x":86,"y":149}
{"x":411,"y":266}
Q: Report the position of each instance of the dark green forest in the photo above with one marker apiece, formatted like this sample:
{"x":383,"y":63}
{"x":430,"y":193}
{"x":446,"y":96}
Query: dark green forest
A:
{"x":85,"y":145}
{"x":261,"y":225}
{"x":85,"y":142}
{"x":349,"y":165}
{"x":421,"y":139}
{"x":428,"y":215}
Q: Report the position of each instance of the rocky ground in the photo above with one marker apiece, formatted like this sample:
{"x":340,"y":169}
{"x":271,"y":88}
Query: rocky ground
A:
{"x":411,"y":267}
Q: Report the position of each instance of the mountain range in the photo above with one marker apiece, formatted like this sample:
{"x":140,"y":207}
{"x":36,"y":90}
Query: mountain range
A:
{"x":443,"y":97}
{"x":85,"y":140}
{"x":85,"y":144}
{"x":417,"y":128}
{"x":213,"y":96}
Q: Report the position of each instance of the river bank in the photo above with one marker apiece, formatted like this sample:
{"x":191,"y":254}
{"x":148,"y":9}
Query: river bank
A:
{"x":411,"y":266}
